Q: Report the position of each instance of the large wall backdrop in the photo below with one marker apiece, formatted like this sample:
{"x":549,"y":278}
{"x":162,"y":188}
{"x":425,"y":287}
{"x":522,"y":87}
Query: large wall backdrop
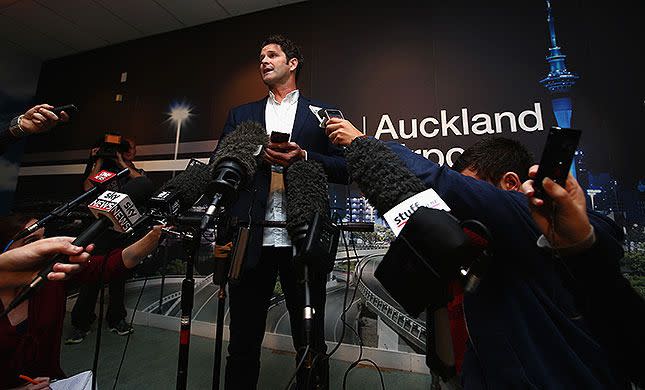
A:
{"x":434,"y":75}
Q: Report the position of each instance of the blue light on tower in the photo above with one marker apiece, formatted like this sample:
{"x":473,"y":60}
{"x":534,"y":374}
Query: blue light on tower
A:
{"x":559,"y":81}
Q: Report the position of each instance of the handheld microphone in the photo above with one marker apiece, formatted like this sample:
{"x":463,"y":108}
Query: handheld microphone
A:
{"x":112,"y":209}
{"x":430,"y":248}
{"x":443,"y":244}
{"x":101,"y":180}
{"x":380,"y":174}
{"x":234,"y":162}
{"x":314,"y":236}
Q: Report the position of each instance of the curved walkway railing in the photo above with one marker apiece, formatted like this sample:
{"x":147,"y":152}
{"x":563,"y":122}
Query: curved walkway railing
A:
{"x":406,"y":326}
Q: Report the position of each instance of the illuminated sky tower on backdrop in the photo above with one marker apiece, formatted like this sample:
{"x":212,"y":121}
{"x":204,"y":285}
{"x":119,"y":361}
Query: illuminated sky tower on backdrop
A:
{"x":559,"y":81}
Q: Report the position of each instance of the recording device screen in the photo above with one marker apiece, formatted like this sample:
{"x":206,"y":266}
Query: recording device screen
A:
{"x":555,"y":163}
{"x":328,"y":113}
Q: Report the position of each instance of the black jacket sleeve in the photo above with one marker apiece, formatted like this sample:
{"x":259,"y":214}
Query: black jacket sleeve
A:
{"x":6,"y":138}
{"x":614,"y":311}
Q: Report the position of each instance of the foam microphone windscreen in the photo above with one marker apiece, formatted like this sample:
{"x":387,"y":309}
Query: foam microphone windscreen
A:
{"x":380,"y":174}
{"x":307,"y":193}
{"x":189,"y":185}
{"x":241,"y":146}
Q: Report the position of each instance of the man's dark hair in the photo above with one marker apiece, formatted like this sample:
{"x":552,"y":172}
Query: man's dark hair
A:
{"x":288,"y":47}
{"x":492,"y":157}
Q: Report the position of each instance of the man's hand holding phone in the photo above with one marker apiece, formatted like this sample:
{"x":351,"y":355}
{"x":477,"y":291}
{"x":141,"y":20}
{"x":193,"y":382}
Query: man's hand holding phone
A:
{"x":41,"y":118}
{"x":280,"y":151}
{"x":557,"y":156}
{"x":328,"y":113}
{"x":341,"y":131}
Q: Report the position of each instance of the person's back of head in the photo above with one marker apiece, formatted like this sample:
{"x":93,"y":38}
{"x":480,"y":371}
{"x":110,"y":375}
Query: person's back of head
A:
{"x":500,"y":161}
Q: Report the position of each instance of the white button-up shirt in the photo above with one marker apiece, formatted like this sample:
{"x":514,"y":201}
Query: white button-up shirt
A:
{"x":279,"y":117}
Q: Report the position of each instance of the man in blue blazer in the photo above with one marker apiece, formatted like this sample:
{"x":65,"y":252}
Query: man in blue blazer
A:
{"x":269,"y":250}
{"x":545,"y":314}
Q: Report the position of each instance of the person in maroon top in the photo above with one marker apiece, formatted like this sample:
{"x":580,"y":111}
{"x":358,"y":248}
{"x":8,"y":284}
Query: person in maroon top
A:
{"x":30,"y":335}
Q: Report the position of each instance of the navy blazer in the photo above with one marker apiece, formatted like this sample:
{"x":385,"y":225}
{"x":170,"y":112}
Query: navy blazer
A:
{"x":306,"y":133}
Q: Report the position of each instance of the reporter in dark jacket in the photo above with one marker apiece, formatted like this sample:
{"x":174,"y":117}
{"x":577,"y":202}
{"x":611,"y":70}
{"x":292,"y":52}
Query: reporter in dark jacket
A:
{"x":525,"y":328}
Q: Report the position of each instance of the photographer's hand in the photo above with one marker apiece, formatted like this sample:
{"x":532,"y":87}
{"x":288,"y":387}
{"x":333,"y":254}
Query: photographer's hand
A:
{"x":98,"y":162}
{"x":563,"y":218}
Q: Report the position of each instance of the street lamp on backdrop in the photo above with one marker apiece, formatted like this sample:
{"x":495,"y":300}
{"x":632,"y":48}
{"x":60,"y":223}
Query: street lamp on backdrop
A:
{"x":179,"y":114}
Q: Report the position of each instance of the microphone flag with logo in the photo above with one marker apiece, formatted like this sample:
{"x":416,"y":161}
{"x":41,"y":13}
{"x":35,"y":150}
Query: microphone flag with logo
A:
{"x":431,"y":245}
{"x":392,"y":189}
{"x":121,"y":214}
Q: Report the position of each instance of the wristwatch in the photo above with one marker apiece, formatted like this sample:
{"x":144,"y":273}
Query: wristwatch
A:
{"x":15,"y":129}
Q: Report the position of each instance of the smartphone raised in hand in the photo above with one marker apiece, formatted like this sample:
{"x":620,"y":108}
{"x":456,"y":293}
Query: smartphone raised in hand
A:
{"x":557,"y":156}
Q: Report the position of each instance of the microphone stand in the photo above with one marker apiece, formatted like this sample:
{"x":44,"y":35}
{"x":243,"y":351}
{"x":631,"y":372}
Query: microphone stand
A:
{"x":308,"y":309}
{"x":219,"y":335}
{"x":191,"y":241}
{"x":308,"y":317}
{"x":220,"y":277}
{"x":226,"y":269}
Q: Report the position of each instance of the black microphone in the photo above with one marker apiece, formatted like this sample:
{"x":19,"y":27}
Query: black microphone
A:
{"x":101,"y":181}
{"x":112,"y":209}
{"x":181,"y":192}
{"x":234,"y":164}
{"x":443,"y":242}
{"x":314,"y":236}
{"x":380,"y":174}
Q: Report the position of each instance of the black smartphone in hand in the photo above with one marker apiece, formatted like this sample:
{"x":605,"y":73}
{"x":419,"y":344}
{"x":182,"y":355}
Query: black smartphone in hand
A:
{"x":278,"y":137}
{"x":557,"y":156}
{"x":69,"y":109}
